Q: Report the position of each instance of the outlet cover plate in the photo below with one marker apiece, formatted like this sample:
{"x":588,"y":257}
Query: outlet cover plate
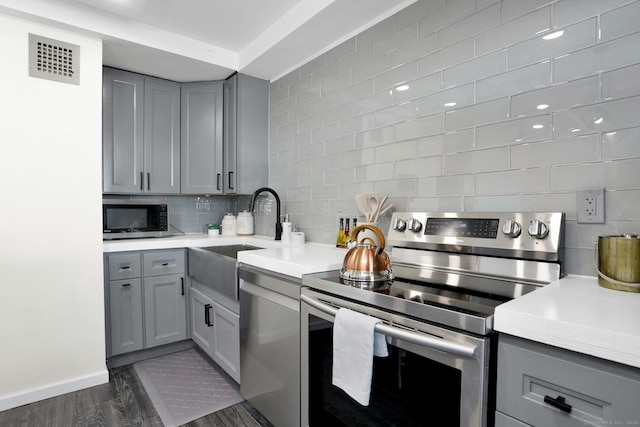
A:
{"x":590,"y":206}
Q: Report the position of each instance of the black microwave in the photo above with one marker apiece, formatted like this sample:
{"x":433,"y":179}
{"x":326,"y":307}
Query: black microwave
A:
{"x":131,"y":219}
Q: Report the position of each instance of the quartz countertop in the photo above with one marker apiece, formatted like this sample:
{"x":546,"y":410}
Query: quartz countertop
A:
{"x":573,"y":313}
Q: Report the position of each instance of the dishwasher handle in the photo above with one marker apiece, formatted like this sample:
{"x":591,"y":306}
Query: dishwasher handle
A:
{"x":422,"y":340}
{"x":274,"y":297}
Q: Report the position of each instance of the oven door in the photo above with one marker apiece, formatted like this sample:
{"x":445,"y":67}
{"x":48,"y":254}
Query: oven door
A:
{"x":432,"y":376}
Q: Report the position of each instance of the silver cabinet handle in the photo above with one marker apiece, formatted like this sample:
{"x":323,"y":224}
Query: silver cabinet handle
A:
{"x":413,"y":337}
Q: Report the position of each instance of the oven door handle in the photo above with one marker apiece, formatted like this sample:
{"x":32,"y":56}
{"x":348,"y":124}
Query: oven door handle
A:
{"x":422,"y":340}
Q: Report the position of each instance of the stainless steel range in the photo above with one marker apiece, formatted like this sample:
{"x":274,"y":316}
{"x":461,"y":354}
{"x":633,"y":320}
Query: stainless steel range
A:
{"x":452,"y":270}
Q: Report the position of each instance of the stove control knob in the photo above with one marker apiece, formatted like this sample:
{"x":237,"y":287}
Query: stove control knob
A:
{"x":511,"y":228}
{"x":399,"y":224}
{"x":414,"y":225}
{"x":538,"y":229}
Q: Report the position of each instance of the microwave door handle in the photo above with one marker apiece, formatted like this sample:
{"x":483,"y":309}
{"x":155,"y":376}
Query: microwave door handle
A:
{"x":422,"y":340}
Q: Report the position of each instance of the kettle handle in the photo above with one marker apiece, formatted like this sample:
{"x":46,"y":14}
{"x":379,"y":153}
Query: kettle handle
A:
{"x":376,"y":231}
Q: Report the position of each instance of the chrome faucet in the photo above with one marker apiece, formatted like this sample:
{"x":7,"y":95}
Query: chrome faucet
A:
{"x":253,"y":202}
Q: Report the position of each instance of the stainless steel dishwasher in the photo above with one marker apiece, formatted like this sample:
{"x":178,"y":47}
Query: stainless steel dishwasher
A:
{"x":270,"y":344}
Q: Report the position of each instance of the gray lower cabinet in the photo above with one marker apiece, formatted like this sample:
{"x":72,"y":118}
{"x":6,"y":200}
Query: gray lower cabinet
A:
{"x":246,"y":134}
{"x":201,"y":137}
{"x":146,"y":300}
{"x":541,"y":385}
{"x":216,"y":330}
{"x":141,"y":134}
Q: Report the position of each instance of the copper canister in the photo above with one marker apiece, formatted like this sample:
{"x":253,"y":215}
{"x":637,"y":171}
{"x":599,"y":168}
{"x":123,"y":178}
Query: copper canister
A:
{"x":619,"y":262}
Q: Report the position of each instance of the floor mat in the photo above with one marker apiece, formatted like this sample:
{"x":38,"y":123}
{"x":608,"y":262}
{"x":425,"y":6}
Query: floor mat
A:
{"x":183,"y":387}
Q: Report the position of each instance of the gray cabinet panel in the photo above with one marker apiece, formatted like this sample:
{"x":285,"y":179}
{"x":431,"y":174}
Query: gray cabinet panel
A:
{"x":597,"y":391}
{"x":226,"y":340}
{"x":503,"y":420}
{"x":124,"y":266}
{"x":246,"y":127}
{"x":157,"y":263}
{"x":125,"y":298}
{"x":141,"y":134}
{"x":201,"y":315}
{"x":201,"y":138}
{"x":122,"y":131}
{"x":165,"y":310}
{"x":161,"y":136}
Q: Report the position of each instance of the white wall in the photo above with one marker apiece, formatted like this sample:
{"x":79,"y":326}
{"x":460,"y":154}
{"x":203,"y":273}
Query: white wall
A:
{"x":338,"y":126}
{"x":51,"y":291}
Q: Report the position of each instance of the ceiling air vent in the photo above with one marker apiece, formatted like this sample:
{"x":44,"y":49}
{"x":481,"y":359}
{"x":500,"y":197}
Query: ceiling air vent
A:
{"x":54,"y":60}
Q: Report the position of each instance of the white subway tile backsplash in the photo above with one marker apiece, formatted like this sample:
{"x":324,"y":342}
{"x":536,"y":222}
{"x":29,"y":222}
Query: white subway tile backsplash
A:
{"x":602,"y":57}
{"x":454,"y":11}
{"x":604,"y":117}
{"x":426,"y":166}
{"x":447,"y":57}
{"x":475,"y":69}
{"x":469,"y":27}
{"x":340,"y":127}
{"x":396,"y":39}
{"x":399,"y":75}
{"x":374,"y":137}
{"x":574,"y":37}
{"x":622,"y":174}
{"x":573,"y":177}
{"x":621,"y":144}
{"x":511,"y":32}
{"x":478,"y":114}
{"x":566,"y":151}
{"x":514,"y":132}
{"x":514,"y":81}
{"x":621,"y":83}
{"x":413,"y":51}
{"x":513,"y":181}
{"x":512,"y":9}
{"x":477,"y":161}
{"x":396,"y":114}
{"x":620,"y":22}
{"x":567,"y":12}
{"x":413,"y":129}
{"x":555,"y":98}
{"x":446,"y":100}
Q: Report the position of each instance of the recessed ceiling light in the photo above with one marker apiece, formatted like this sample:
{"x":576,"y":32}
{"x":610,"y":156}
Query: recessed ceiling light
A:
{"x":542,"y":106}
{"x":576,"y":130}
{"x":402,"y":88}
{"x":450,"y":104}
{"x":553,"y":35}
{"x":598,"y":120}
{"x":538,"y":126}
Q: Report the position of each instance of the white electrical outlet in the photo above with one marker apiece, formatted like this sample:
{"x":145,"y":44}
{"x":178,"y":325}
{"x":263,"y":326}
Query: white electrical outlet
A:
{"x":590,"y":206}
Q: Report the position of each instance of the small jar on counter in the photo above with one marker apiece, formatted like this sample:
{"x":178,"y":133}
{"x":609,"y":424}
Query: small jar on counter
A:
{"x":213,"y":230}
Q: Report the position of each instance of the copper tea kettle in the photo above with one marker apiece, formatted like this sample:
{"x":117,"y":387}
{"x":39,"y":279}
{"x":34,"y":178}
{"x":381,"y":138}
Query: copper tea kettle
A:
{"x":366,"y":262}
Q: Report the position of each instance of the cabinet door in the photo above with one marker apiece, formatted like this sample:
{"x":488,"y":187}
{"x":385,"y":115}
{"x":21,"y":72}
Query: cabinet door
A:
{"x":252,"y":128}
{"x":201,"y":320}
{"x":161,"y":136}
{"x":226,"y":340}
{"x":122,"y":132}
{"x":165,"y":310}
{"x":125,"y":298}
{"x":230,"y":124}
{"x":201,"y":138}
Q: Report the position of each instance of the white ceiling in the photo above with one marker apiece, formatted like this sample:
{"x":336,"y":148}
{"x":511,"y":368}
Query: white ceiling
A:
{"x":192,"y":40}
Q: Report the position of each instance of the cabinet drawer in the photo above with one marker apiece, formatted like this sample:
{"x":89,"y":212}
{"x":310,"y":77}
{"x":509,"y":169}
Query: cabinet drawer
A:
{"x":594,"y":391}
{"x":124,"y":266}
{"x":158,"y":263}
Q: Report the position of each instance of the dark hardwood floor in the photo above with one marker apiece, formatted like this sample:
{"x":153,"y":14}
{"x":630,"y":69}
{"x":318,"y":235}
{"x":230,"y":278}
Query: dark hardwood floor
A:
{"x":122,"y":402}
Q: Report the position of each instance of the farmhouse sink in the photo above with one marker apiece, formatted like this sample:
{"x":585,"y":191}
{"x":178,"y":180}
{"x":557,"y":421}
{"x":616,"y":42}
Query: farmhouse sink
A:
{"x":215,"y":268}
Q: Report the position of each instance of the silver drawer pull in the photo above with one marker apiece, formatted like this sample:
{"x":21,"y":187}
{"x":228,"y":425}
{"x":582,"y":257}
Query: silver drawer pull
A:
{"x":413,"y":337}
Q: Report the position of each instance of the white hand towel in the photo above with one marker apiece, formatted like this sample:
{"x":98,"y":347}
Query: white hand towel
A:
{"x":354,"y":345}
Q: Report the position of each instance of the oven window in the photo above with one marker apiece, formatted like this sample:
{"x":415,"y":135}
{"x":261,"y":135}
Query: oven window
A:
{"x":407,"y":389}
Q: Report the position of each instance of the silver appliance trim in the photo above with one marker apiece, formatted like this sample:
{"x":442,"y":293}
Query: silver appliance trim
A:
{"x":407,"y":335}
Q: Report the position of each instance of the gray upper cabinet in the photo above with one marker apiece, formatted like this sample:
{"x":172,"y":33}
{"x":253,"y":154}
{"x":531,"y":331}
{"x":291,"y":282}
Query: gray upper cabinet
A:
{"x":201,"y":135}
{"x":141,"y":134}
{"x":246,"y":127}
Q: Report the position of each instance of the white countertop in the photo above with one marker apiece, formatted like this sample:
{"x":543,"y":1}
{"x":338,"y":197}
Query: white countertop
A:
{"x":285,"y":258}
{"x":574,"y":313}
{"x":577,"y":314}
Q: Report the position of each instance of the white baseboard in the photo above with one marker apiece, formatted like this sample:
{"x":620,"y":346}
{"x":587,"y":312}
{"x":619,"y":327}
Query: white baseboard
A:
{"x":52,"y":390}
